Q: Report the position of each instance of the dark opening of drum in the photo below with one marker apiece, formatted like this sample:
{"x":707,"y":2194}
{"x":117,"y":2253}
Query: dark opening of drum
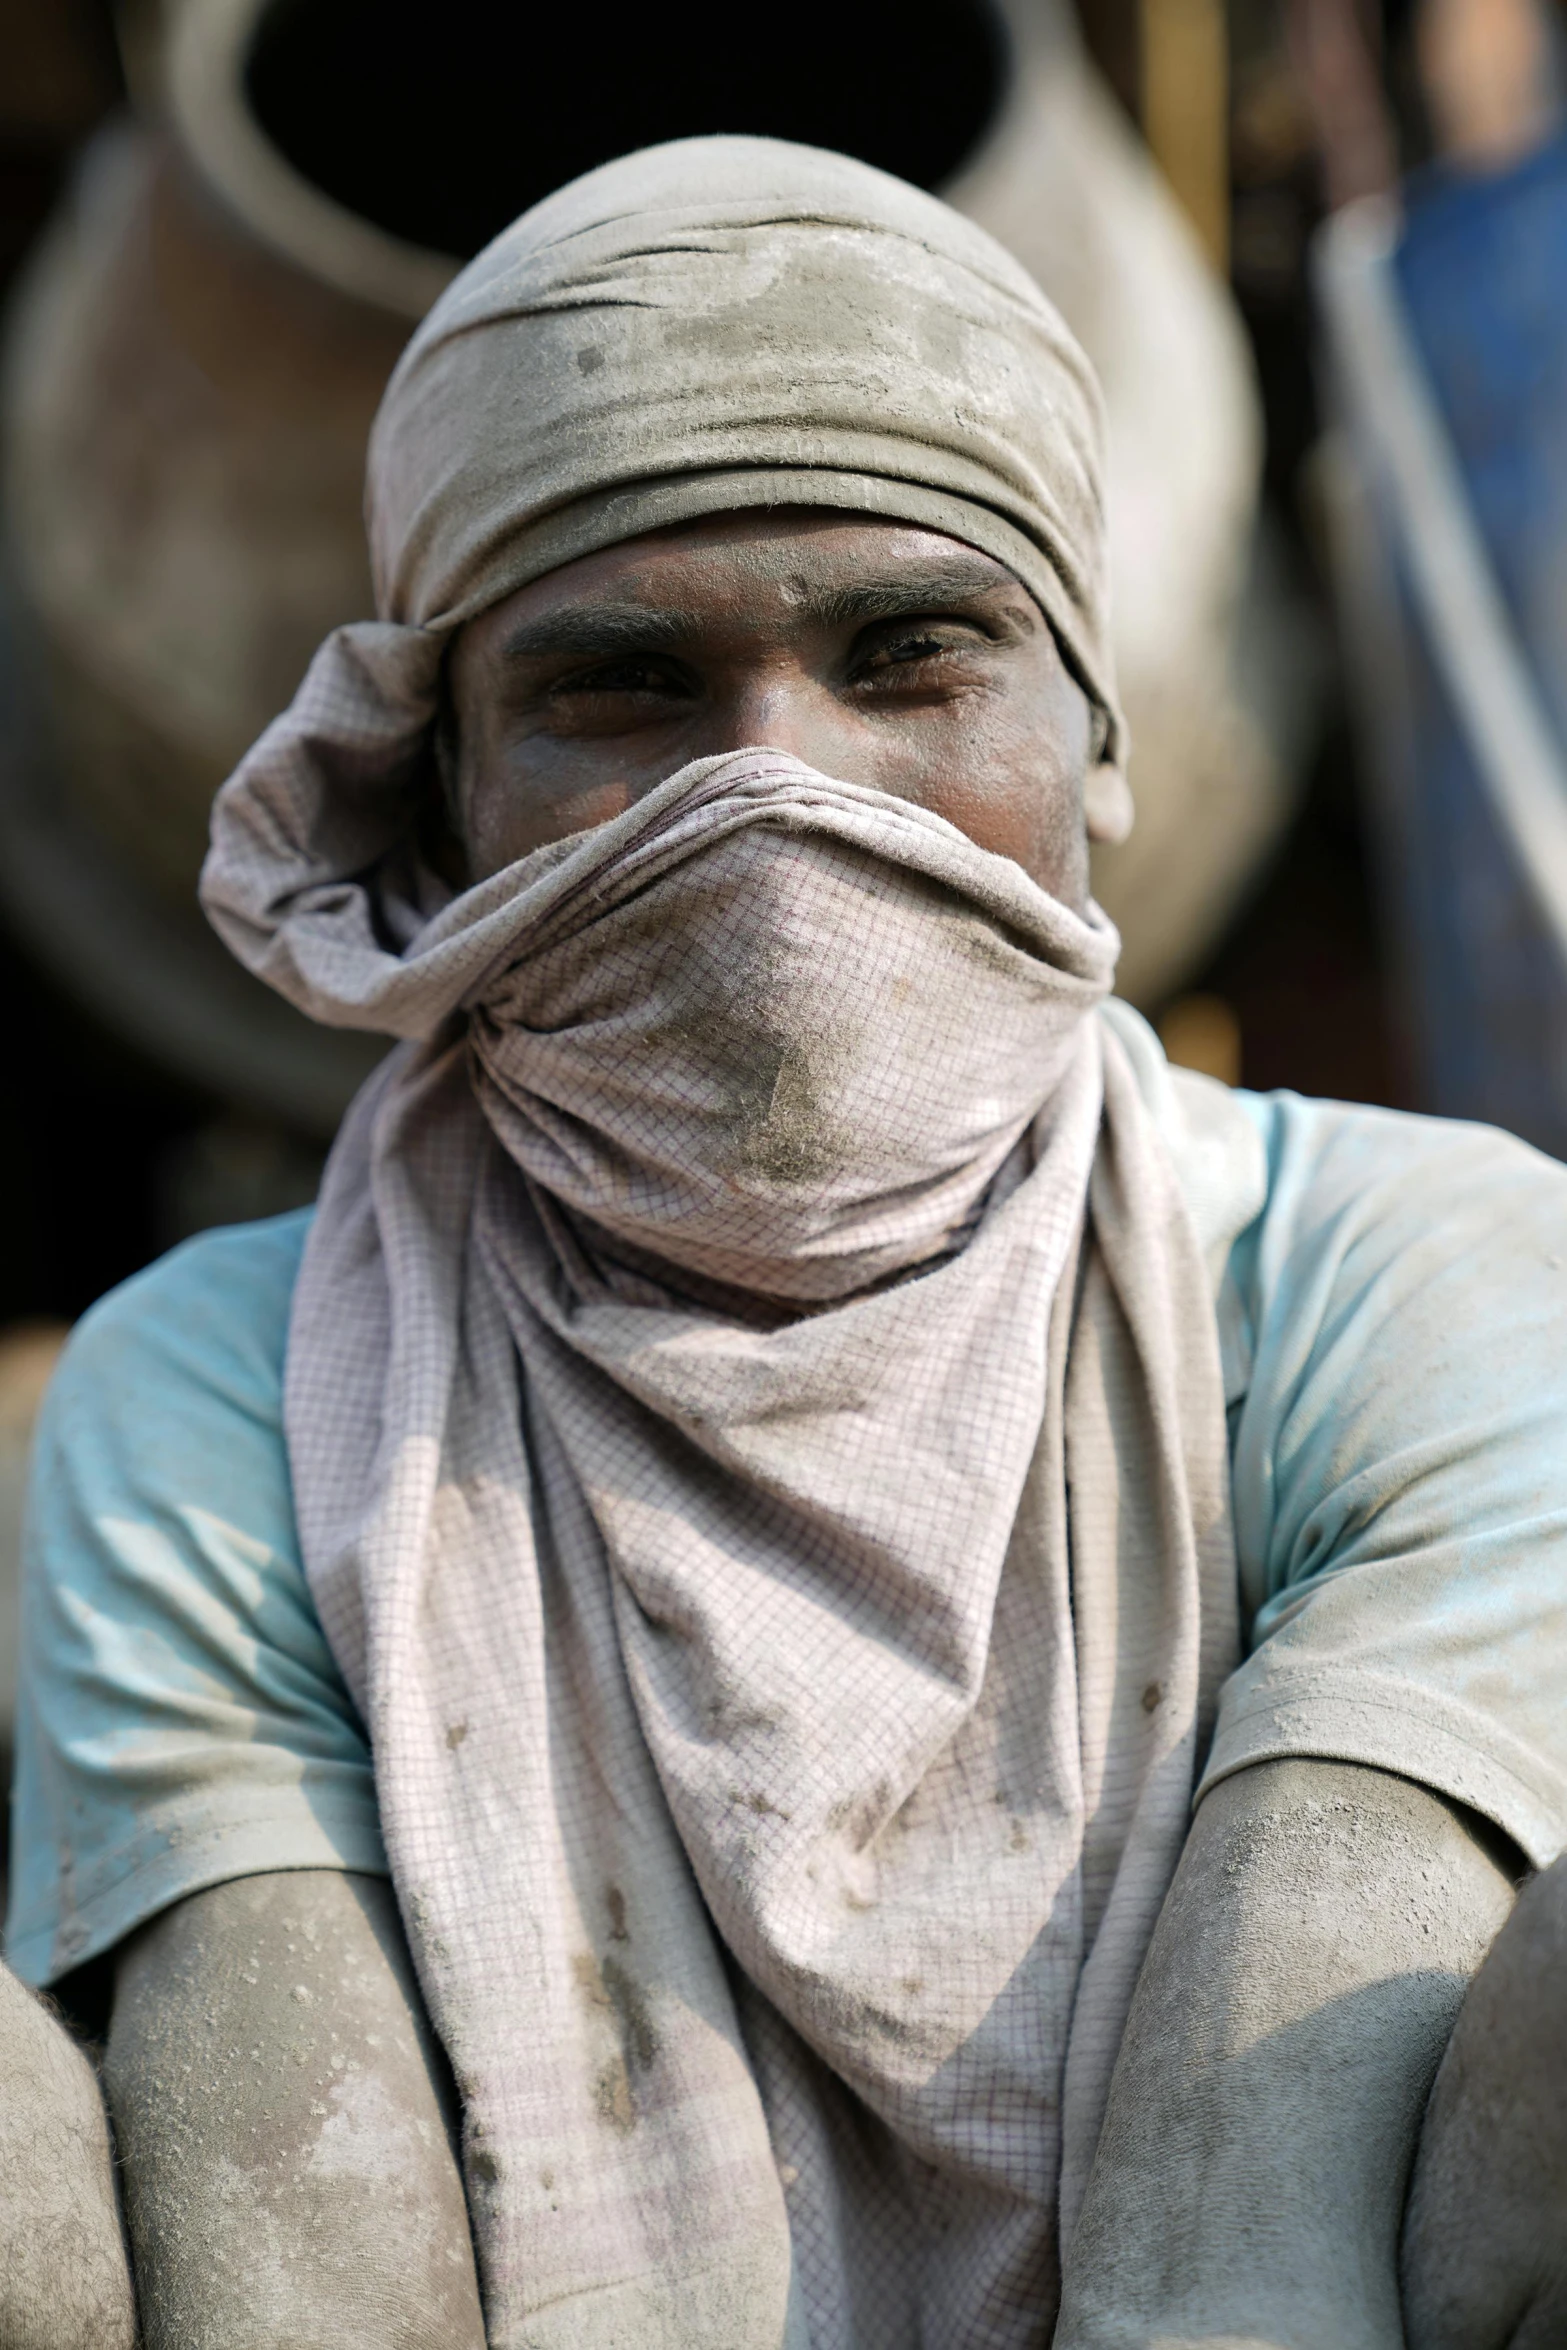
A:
{"x":441,"y":124}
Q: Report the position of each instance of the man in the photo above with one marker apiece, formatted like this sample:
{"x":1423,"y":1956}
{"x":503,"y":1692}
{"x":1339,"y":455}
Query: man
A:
{"x":613,"y":1718}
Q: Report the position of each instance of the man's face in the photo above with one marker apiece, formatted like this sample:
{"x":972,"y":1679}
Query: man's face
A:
{"x":877,"y":653}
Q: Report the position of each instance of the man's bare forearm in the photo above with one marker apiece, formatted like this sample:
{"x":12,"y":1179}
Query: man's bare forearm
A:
{"x":1301,"y":1988}
{"x":65,"y":2283}
{"x":1485,"y":2235}
{"x":290,"y":2179}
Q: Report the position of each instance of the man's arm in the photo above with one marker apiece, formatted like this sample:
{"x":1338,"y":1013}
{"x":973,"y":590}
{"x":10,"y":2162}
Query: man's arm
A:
{"x":1485,"y":2234}
{"x":290,"y":2176}
{"x":1301,"y":1987}
{"x":65,"y":2283}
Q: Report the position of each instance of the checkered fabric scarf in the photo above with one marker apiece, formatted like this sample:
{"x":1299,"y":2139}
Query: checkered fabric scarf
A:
{"x":771,"y":1533}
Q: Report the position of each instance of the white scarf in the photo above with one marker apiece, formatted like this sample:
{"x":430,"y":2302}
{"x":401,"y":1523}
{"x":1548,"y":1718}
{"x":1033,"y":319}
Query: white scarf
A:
{"x":755,"y":1416}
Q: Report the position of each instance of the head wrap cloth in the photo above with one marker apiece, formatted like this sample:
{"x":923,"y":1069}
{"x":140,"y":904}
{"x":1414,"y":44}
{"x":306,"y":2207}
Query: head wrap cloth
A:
{"x":726,"y":323}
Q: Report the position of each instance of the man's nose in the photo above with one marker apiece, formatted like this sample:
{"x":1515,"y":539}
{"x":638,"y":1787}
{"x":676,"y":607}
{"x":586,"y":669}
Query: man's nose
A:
{"x":793,"y":712}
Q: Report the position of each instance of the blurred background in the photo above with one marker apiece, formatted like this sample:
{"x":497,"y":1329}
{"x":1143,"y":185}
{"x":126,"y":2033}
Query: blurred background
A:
{"x":1316,"y":248}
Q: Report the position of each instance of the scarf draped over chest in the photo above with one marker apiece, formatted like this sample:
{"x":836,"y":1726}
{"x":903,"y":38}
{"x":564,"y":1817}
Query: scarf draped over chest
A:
{"x":754,"y":1409}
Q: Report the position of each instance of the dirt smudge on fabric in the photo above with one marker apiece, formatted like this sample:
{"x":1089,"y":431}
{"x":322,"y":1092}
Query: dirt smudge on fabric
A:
{"x":611,"y":1992}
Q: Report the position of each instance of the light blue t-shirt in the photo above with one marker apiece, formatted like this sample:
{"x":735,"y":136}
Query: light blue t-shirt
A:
{"x":1394,"y":1327}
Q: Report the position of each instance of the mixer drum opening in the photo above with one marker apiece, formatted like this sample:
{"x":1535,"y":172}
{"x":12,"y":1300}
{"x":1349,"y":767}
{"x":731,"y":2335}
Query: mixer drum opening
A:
{"x":441,"y":125}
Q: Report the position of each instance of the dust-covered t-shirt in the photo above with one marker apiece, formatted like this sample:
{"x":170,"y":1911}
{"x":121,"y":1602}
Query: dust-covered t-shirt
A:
{"x":1394,"y":1333}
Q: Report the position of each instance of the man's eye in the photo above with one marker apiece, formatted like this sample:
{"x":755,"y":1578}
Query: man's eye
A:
{"x":912,"y":647}
{"x":619,"y":677}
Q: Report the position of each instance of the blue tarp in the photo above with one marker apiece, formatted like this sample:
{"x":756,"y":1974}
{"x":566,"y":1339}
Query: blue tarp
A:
{"x":1482,"y":267}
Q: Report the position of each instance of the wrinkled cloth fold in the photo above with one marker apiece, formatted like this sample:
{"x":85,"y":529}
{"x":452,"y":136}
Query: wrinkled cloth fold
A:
{"x":761,"y":1714}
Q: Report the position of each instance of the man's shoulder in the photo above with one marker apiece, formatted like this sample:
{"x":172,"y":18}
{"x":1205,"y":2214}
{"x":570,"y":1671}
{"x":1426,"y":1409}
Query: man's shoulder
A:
{"x":1332,"y":1162}
{"x":182,"y":1720}
{"x":210,"y":1317}
{"x":1376,"y":1220}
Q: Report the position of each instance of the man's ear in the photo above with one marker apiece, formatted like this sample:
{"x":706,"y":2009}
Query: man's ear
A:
{"x":1107,"y":804}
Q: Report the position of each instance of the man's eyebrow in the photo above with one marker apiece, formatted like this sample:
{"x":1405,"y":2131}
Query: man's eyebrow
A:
{"x":913,"y":587}
{"x":595,"y":631}
{"x":598,"y":629}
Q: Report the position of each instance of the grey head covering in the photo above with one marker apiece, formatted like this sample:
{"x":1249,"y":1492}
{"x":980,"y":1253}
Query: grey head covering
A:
{"x":725,"y":323}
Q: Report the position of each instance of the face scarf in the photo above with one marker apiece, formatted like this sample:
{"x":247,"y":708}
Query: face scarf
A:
{"x":755,"y":1420}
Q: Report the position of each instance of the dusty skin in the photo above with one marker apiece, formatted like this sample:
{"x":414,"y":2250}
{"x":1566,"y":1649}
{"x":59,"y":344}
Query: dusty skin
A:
{"x":1305,"y":1976}
{"x":64,"y":2281}
{"x":1485,"y":2242}
{"x":1300,"y":1992}
{"x":877,"y":653}
{"x":295,"y":2185}
{"x":290,"y":2172}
